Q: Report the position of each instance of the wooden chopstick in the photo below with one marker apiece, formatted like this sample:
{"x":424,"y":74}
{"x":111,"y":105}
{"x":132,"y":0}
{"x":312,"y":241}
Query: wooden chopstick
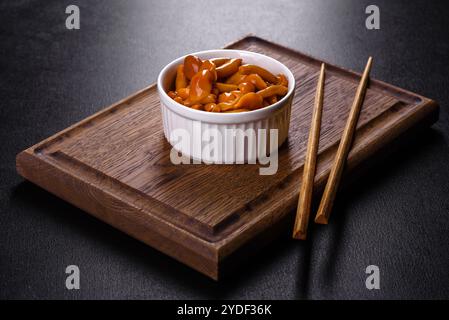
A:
{"x":344,"y":147}
{"x":308,"y":176}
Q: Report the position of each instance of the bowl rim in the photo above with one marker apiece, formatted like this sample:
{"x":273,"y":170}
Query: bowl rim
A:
{"x":223,"y":117}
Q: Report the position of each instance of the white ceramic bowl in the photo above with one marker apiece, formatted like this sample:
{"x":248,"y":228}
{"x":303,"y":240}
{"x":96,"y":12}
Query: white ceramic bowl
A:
{"x":192,"y":126}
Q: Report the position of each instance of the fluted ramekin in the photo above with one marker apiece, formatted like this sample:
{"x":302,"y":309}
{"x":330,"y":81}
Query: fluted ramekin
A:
{"x":196,"y":124}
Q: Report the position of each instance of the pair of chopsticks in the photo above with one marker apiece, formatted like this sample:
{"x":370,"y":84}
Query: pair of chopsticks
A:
{"x":330,"y":191}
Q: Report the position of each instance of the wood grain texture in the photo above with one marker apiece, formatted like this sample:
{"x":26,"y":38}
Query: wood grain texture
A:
{"x":115,"y":165}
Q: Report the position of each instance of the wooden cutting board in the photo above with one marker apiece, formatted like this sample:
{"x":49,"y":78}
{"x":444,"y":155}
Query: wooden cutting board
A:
{"x":115,"y":165}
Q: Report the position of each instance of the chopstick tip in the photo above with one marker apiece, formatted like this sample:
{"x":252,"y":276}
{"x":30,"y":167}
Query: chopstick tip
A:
{"x":322,"y":71}
{"x":323,"y":67}
{"x":321,"y":219}
{"x":299,"y":235}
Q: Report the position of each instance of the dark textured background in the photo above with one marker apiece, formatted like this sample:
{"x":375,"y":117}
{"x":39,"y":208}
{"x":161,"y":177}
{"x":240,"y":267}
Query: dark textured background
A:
{"x":396,"y":216}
